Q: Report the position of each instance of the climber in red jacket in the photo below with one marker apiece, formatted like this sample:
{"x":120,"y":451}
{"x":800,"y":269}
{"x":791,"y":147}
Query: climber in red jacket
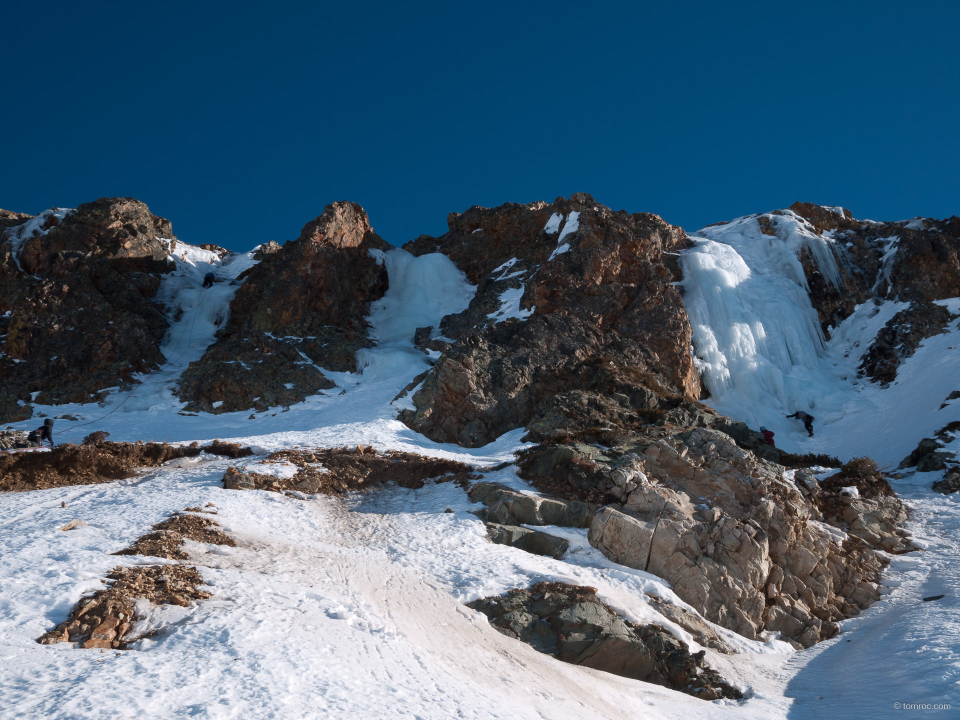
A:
{"x":767,"y":435}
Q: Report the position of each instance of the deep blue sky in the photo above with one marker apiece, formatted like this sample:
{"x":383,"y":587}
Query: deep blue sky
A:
{"x":239,"y":122}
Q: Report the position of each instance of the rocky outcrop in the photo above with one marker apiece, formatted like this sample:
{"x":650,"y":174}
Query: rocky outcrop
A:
{"x":573,"y":625}
{"x":916,"y":261}
{"x":166,"y":540}
{"x":511,"y":507}
{"x":751,"y":546}
{"x":949,"y":483}
{"x":107,"y":618}
{"x":589,"y":298}
{"x":901,"y":337}
{"x":250,"y":372}
{"x":96,"y":461}
{"x":926,"y":457}
{"x":9,"y":218}
{"x":338,"y":470}
{"x":531,"y":541}
{"x":77,"y":303}
{"x":305,"y":303}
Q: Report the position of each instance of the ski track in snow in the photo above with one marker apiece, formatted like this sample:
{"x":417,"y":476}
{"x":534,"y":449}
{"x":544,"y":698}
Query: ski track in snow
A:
{"x":353,"y":606}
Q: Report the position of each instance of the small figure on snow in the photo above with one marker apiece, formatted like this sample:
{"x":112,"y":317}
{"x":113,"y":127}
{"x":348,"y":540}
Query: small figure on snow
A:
{"x":767,"y":435}
{"x":806,"y":418}
{"x":45,"y":432}
{"x":209,"y":279}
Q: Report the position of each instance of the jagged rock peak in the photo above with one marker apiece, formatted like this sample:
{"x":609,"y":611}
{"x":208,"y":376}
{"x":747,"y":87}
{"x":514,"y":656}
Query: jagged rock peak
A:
{"x":108,"y":228}
{"x":342,"y":224}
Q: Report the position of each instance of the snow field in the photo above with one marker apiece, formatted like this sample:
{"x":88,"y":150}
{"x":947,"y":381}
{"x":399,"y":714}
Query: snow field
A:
{"x":352,"y":607}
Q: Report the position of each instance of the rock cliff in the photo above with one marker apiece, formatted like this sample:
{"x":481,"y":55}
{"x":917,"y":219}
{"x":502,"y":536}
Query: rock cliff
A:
{"x":76,"y":301}
{"x":916,"y":261}
{"x":301,"y":308}
{"x":570,"y":295}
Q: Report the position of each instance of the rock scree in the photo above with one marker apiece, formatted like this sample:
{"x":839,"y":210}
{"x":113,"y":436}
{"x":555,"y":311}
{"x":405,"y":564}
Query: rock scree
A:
{"x":167,"y":539}
{"x":93,"y":463}
{"x":106,"y":619}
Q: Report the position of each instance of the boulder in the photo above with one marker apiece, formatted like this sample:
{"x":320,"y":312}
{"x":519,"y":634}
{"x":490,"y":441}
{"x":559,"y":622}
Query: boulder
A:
{"x":532,"y":541}
{"x":950,"y":482}
{"x":572,"y":624}
{"x":511,"y":507}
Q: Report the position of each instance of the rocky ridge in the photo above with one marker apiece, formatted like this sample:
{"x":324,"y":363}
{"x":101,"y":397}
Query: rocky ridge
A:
{"x":299,"y":311}
{"x":77,"y":301}
{"x":595,"y":363}
{"x":596,"y":308}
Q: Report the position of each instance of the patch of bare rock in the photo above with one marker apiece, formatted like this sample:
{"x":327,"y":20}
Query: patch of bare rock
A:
{"x":570,"y":623}
{"x":338,"y":470}
{"x":166,"y":540}
{"x":603,"y":312}
{"x":106,"y":618}
{"x":752,"y":546}
{"x":96,"y":461}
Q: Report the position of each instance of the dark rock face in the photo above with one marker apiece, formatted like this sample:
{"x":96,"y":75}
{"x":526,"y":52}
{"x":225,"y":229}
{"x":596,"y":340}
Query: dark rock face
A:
{"x":923,"y":266}
{"x":901,"y":337}
{"x":305,"y":302}
{"x":600,"y":300}
{"x":572,"y":624}
{"x":950,"y":482}
{"x":252,"y":372}
{"x":326,"y":278}
{"x":925,"y":457}
{"x":76,"y":295}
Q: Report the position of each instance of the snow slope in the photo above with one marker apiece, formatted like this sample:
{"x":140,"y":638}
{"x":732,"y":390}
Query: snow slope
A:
{"x":353,"y":607}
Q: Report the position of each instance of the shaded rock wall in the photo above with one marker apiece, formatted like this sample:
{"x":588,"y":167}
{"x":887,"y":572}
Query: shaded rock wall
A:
{"x":76,"y":296}
{"x":305,"y":303}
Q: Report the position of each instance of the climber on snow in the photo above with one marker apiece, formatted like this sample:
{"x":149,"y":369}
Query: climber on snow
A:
{"x":806,"y":418}
{"x":767,"y":435}
{"x":209,"y":279}
{"x":44,"y":432}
